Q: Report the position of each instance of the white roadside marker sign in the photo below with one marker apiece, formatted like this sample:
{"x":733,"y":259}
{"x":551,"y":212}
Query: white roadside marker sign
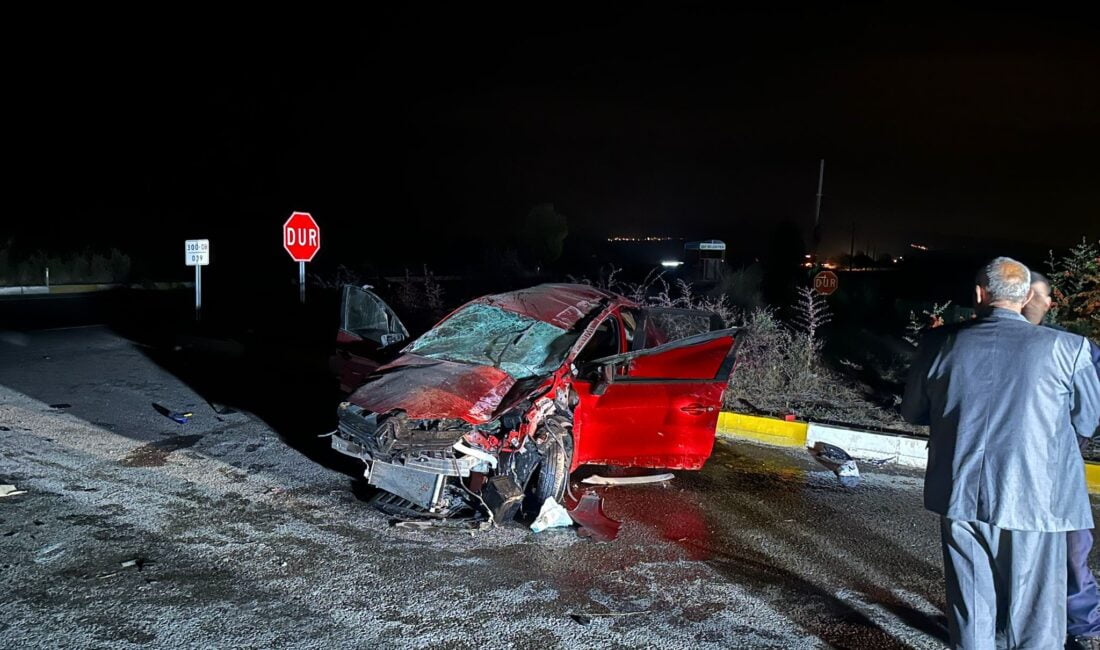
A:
{"x":196,"y":253}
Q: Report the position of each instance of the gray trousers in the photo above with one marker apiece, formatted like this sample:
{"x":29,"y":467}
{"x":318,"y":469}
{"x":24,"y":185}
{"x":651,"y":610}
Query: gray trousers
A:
{"x":1005,"y":588}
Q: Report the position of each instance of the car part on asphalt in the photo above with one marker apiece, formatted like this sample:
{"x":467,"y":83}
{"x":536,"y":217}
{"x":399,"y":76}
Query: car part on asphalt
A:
{"x":594,"y":522}
{"x":10,"y":491}
{"x":838,"y":461}
{"x":596,"y":479}
{"x":503,"y":497}
{"x":175,"y":416}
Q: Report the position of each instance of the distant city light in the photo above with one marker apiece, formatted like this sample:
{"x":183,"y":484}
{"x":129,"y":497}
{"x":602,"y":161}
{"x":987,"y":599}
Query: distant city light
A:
{"x":643,"y":238}
{"x":671,"y":264}
{"x":920,"y":247}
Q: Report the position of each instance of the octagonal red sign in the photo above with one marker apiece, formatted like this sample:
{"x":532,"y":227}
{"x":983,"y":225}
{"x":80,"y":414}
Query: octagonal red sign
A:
{"x":826,"y":282}
{"x":301,"y":236}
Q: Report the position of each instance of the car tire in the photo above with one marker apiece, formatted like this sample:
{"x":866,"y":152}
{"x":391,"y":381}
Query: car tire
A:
{"x":551,"y":478}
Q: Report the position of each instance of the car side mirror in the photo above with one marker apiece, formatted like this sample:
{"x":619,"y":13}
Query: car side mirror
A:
{"x":604,"y":378}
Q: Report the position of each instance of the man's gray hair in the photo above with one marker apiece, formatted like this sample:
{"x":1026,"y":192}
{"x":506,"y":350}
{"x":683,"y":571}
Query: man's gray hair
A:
{"x":1006,"y":280}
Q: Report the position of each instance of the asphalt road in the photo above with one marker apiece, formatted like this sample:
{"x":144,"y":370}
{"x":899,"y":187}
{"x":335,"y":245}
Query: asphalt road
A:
{"x":247,"y":533}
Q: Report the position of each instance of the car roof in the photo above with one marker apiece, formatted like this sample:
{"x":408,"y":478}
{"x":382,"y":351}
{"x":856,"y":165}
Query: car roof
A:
{"x":561,"y":305}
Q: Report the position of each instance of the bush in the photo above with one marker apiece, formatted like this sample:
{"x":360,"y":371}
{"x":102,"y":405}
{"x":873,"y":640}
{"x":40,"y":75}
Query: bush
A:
{"x":779,"y":366}
{"x":87,"y":266}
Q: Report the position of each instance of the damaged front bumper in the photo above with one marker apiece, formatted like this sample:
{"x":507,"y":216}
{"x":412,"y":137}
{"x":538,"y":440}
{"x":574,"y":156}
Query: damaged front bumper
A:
{"x":412,"y":459}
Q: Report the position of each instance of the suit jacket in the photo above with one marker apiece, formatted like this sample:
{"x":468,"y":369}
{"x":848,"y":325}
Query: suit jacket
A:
{"x":1003,"y":400}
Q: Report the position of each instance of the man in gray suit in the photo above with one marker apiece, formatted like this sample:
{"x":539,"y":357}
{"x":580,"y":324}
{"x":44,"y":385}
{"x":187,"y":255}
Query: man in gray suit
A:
{"x":1003,"y":400}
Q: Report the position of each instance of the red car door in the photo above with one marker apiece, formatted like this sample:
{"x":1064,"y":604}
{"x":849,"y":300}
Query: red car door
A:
{"x":369,"y":334}
{"x":655,"y":407}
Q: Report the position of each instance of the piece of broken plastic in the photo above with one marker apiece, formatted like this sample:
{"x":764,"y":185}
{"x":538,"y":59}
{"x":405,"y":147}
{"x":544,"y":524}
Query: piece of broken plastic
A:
{"x":176,"y":416}
{"x":848,"y":473}
{"x":596,"y":479}
{"x":551,"y":515}
{"x":594,"y":523}
{"x":10,"y":491}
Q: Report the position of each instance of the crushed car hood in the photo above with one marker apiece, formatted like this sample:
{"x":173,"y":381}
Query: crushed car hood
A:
{"x":430,"y":388}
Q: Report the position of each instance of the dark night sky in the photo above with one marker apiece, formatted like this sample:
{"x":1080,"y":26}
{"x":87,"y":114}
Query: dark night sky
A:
{"x":448,"y":125}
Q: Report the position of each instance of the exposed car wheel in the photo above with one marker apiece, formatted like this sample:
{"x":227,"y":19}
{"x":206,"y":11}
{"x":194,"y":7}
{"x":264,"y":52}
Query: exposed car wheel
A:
{"x":551,"y":477}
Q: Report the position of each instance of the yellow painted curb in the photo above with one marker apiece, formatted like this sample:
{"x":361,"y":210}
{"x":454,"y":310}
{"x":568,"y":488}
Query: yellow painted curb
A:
{"x":1092,"y":477}
{"x":770,"y":431}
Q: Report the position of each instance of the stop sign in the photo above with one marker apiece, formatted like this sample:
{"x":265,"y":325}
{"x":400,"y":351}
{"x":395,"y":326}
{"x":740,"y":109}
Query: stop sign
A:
{"x":301,"y":236}
{"x":826,"y":282}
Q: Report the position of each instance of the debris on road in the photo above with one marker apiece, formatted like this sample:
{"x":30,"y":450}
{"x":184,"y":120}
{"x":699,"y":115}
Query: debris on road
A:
{"x":222,"y":409}
{"x":176,"y":416}
{"x":136,"y":562}
{"x":46,"y":551}
{"x":551,"y":515}
{"x":838,"y":461}
{"x":596,"y":479}
{"x":413,"y":524}
{"x":472,"y":525}
{"x":10,"y":491}
{"x":594,"y":523}
{"x":585,"y":619}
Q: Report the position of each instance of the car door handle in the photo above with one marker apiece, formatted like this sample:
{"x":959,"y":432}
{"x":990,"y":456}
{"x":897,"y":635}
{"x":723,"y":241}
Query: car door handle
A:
{"x":696,"y":409}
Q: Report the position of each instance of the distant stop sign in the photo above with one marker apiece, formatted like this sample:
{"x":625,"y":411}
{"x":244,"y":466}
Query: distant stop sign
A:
{"x":826,"y":282}
{"x":301,"y":237}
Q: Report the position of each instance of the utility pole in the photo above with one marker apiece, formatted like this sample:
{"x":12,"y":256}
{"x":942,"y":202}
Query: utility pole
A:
{"x":852,"y":252}
{"x":817,"y":211}
{"x":820,"y":185}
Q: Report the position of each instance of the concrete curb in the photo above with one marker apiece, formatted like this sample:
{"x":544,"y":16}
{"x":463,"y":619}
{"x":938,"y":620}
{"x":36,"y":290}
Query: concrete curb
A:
{"x":907,"y":451}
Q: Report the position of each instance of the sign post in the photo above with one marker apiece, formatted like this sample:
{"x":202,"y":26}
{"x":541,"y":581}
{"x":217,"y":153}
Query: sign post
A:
{"x":302,"y":239}
{"x":302,"y":282}
{"x":826,"y":282}
{"x":196,"y":253}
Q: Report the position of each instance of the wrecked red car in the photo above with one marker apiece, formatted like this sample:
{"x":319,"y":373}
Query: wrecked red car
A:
{"x":510,"y":393}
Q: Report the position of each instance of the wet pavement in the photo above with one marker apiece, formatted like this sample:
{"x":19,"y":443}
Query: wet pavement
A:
{"x":242,"y":531}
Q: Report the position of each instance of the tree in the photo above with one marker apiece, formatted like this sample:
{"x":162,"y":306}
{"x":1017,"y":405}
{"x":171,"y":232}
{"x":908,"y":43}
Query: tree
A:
{"x":1075,"y":280}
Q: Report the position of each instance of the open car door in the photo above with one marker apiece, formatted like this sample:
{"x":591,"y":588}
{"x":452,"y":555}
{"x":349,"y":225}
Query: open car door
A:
{"x":654,"y":407}
{"x":659,"y":325}
{"x":369,"y":336}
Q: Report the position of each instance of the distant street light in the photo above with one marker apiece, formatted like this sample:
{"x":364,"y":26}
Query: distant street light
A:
{"x":671,"y":264}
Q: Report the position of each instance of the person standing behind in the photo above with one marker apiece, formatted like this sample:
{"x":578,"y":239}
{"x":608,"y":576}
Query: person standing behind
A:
{"x":1002,"y":400}
{"x":1082,"y":593}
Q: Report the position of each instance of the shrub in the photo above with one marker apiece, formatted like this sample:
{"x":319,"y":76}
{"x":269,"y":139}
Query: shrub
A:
{"x":80,"y":267}
{"x":1075,"y":277}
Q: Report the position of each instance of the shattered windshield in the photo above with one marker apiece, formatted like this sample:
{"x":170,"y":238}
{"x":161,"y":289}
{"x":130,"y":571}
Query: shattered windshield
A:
{"x":490,"y":336}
